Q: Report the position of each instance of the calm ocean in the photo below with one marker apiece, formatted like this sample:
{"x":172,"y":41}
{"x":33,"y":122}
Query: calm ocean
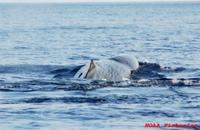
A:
{"x":38,"y":38}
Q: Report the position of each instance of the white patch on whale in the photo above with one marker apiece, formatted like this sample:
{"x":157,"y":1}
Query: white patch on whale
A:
{"x":114,"y":69}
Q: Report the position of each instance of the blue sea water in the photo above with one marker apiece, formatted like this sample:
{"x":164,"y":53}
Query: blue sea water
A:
{"x":36,"y":39}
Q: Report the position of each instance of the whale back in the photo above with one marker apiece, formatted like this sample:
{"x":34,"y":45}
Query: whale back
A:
{"x":116,"y":68}
{"x":127,"y":60}
{"x":111,"y":70}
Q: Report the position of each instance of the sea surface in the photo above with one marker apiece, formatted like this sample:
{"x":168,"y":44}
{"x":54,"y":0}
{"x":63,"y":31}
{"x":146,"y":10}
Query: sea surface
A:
{"x":39,"y":40}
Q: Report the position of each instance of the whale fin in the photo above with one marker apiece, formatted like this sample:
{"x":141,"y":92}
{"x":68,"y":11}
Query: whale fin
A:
{"x":91,"y":67}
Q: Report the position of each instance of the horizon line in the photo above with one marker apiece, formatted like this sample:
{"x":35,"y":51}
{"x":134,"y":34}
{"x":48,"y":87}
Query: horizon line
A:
{"x":128,"y":1}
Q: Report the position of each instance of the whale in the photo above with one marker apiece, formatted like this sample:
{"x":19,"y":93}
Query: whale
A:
{"x":118,"y":68}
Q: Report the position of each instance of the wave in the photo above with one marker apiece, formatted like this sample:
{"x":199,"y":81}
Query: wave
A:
{"x":27,"y":78}
{"x":80,"y":28}
{"x":70,"y":85}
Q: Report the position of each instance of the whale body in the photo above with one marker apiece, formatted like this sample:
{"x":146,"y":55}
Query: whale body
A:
{"x":114,"y":69}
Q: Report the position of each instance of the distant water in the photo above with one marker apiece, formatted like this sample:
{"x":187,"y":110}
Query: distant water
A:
{"x":37,"y":39}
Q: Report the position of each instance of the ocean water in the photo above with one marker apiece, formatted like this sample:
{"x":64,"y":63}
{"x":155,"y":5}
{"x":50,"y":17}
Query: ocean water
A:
{"x":36,"y":40}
